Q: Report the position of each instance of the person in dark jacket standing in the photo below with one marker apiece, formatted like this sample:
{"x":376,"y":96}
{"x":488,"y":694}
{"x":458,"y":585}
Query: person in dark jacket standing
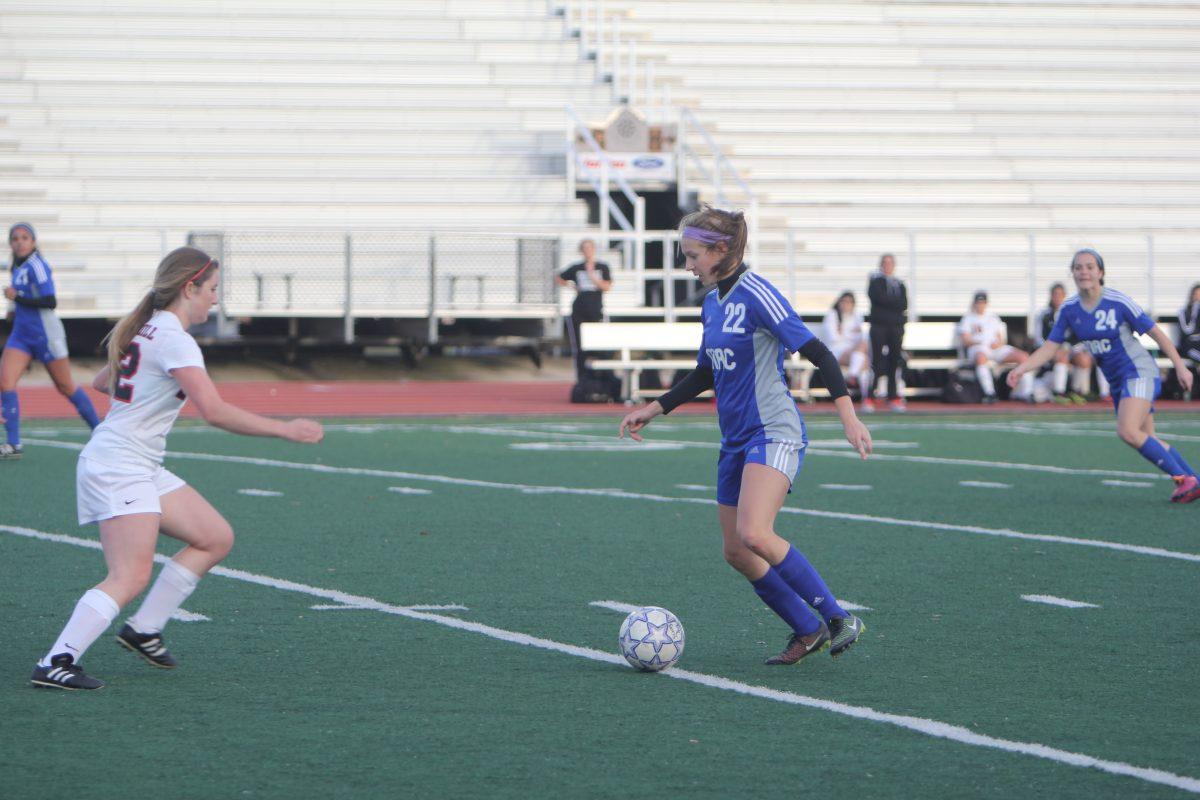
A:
{"x":591,"y":279}
{"x":889,"y":306}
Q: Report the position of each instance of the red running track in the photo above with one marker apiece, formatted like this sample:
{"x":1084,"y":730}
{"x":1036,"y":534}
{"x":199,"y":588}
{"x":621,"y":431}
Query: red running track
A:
{"x":451,"y":398}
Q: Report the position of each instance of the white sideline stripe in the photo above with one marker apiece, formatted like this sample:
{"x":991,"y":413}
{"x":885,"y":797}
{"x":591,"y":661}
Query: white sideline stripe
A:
{"x":408,"y":490}
{"x":968,"y":462}
{"x":848,"y":487}
{"x":189,"y":616}
{"x":1138,"y":484}
{"x":695,"y":487}
{"x":1051,"y":600}
{"x":928,"y":727}
{"x":341,"y":607}
{"x":260,"y":493}
{"x":626,"y":608}
{"x":609,"y":447}
{"x":817,"y":448}
{"x":985,"y":484}
{"x":1157,"y":552}
{"x":824,"y":447}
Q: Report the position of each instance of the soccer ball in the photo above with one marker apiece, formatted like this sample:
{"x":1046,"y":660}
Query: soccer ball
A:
{"x":651,"y":639}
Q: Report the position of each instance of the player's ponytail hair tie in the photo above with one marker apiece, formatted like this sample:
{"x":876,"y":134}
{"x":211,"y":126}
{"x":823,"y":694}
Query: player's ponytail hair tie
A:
{"x":705,"y":236}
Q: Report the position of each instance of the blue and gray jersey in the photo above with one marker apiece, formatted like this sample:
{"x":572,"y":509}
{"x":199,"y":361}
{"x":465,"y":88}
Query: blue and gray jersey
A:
{"x":1108,"y":333}
{"x":31,"y":280}
{"x":746,"y":335}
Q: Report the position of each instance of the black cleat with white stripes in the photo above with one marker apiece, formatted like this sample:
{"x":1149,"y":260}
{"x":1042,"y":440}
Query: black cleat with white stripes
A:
{"x":63,"y":674}
{"x":147,"y":645}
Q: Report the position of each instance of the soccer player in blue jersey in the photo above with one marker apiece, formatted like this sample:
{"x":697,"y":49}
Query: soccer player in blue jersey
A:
{"x":748,"y":327}
{"x":36,"y":333}
{"x":1106,"y":321}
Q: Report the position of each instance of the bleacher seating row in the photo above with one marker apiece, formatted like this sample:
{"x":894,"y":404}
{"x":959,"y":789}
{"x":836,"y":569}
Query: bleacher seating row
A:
{"x":941,"y":130}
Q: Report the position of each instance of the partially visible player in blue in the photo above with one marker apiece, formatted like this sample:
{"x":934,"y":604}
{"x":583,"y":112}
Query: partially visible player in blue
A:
{"x":37,"y":333}
{"x":748,"y":327}
{"x":1106,"y":321}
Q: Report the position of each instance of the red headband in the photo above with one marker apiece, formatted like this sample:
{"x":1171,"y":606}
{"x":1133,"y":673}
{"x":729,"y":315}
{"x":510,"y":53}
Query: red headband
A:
{"x":207,"y":264}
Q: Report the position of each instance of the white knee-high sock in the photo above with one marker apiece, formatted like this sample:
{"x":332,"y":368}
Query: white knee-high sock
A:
{"x":857,"y":362}
{"x":94,"y":612}
{"x":1025,"y":385}
{"x":175,"y":584}
{"x":1060,"y":378}
{"x":1081,"y":379}
{"x":1102,"y":383}
{"x":984,"y":374}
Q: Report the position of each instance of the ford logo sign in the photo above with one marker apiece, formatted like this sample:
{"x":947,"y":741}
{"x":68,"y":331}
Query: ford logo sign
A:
{"x":648,"y":162}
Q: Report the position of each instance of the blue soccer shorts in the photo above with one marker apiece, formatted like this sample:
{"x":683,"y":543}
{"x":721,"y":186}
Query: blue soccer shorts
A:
{"x":787,"y":457}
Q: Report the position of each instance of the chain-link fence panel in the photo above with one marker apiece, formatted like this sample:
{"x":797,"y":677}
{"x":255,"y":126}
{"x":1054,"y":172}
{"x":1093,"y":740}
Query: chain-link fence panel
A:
{"x":384,"y":273}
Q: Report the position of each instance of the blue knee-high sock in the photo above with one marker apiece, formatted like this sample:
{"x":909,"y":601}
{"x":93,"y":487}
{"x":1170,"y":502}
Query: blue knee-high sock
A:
{"x":781,"y":599}
{"x":11,"y":410}
{"x":1177,"y":463}
{"x":83,"y":404}
{"x":802,"y":576}
{"x":1154,"y":452}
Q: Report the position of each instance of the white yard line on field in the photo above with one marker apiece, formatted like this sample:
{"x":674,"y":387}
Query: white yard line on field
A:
{"x":1051,"y":600}
{"x":922,"y":725}
{"x":619,"y":494}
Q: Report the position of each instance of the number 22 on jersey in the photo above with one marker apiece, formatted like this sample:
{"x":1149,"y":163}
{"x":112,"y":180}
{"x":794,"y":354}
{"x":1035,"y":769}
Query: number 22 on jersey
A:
{"x":735,"y":316}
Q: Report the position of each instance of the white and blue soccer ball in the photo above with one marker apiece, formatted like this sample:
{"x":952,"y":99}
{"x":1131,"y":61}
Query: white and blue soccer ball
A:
{"x":651,"y":639}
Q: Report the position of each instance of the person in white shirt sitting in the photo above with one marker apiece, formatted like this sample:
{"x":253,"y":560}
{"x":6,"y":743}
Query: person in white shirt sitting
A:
{"x":984,"y":337}
{"x":842,"y":332}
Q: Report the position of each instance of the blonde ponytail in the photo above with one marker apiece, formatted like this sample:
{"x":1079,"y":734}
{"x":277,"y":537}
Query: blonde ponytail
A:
{"x":178,"y":268}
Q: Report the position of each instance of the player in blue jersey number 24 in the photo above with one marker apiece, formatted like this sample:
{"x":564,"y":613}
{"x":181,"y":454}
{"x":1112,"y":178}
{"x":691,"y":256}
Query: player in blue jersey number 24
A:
{"x":1106,"y":321}
{"x":748,"y":327}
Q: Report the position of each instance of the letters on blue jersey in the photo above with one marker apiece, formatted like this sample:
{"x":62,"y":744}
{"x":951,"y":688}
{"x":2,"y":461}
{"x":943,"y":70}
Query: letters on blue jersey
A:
{"x":746,"y":335}
{"x":1107,"y":331}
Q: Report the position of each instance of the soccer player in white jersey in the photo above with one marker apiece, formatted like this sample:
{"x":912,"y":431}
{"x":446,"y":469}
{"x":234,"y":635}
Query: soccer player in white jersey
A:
{"x":842,"y":332}
{"x":154,"y":367}
{"x":984,"y":336}
{"x":1107,"y":321}
{"x":37,"y":332}
{"x":748,"y":327}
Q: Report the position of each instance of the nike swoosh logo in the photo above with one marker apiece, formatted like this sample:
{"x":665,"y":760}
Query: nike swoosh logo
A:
{"x":127,"y":502}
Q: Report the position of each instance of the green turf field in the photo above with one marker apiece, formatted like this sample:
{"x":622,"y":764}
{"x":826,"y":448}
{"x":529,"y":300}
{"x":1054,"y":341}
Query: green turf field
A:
{"x":961,"y":688}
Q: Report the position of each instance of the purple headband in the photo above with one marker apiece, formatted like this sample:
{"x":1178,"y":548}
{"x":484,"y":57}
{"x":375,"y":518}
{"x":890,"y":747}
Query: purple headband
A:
{"x":705,"y":236}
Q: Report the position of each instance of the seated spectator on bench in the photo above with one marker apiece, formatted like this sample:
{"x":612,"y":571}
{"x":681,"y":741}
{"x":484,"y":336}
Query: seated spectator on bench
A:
{"x":984,"y":337}
{"x":1072,"y":359}
{"x":842,"y":332}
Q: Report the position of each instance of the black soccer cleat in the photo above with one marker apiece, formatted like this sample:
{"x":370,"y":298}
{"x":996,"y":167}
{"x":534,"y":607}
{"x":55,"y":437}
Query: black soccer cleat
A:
{"x":147,"y":645}
{"x":799,"y":647}
{"x":63,"y":674}
{"x":844,"y":631}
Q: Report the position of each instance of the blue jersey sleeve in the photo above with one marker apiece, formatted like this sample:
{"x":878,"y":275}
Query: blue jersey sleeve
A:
{"x":1138,"y":319}
{"x":769,"y":309}
{"x":41,"y":283}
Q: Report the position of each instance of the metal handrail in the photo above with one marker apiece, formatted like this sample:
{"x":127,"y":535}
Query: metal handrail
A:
{"x":602,"y":187}
{"x":688,"y":122}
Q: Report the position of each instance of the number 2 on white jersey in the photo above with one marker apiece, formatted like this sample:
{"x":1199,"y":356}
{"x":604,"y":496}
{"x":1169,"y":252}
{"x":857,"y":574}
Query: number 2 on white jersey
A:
{"x":735,"y":315}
